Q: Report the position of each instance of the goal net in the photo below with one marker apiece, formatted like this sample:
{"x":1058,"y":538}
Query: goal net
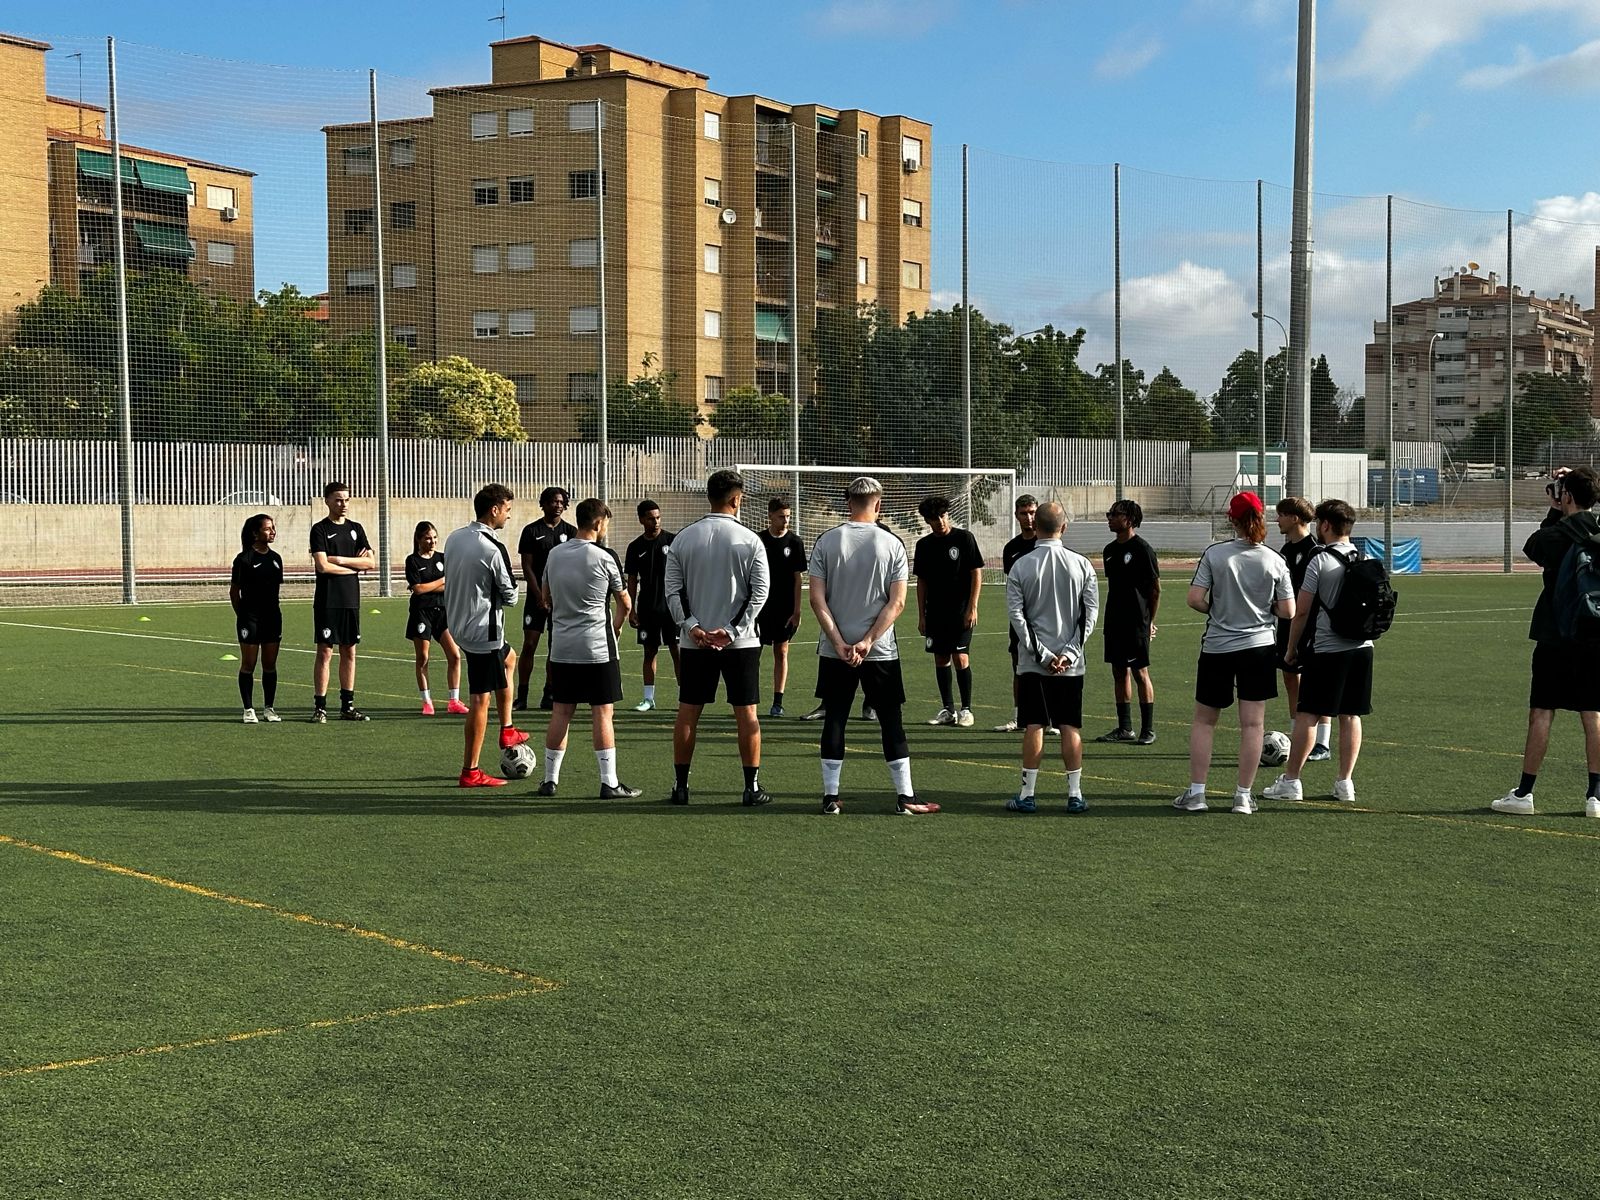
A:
{"x":980,"y":500}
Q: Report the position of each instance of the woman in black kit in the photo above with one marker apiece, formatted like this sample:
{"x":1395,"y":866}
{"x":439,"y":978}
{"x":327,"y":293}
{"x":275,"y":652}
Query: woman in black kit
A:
{"x":425,"y":619}
{"x":253,"y":592}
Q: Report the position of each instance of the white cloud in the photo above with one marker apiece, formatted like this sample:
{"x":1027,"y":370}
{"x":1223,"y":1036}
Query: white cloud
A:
{"x":851,"y":18}
{"x":1577,"y":69}
{"x":1127,"y":56}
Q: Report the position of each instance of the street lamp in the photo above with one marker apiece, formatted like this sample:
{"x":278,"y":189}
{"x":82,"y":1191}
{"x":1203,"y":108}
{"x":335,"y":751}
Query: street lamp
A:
{"x":1017,"y":338}
{"x":1284,"y":428}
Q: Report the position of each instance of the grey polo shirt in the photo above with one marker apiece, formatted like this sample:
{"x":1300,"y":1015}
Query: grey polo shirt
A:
{"x":582,"y":576}
{"x":1053,"y":599}
{"x":856,"y":563}
{"x":1245,"y":580}
{"x":717,"y":579}
{"x":1325,"y":580}
{"x":477,"y":587}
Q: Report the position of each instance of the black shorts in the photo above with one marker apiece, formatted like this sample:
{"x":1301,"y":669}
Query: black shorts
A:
{"x":700,"y":670}
{"x":1338,"y":684}
{"x":487,"y":672}
{"x":1128,"y":646}
{"x":879,"y":680}
{"x":259,"y":627}
{"x":429,"y":623}
{"x":534,"y":620}
{"x":1254,"y":672}
{"x":948,"y":637}
{"x":1565,"y":677}
{"x":773,"y":628}
{"x":585,"y":683}
{"x":654,"y":629}
{"x":1280,"y":647}
{"x":1050,"y":700}
{"x":336,"y":626}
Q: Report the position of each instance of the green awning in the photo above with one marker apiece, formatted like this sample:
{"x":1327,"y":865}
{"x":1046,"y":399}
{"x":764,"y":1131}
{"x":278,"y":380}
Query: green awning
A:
{"x":160,"y":177}
{"x":771,"y":326}
{"x":827,"y":122}
{"x":166,"y":240}
{"x":824,"y":254}
{"x":98,"y":166}
{"x":824,"y":195}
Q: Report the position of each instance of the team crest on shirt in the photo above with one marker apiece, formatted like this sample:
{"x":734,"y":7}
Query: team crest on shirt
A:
{"x":786,"y":550}
{"x":422,"y":627}
{"x":352,"y":535}
{"x":955,"y":553}
{"x":327,"y":633}
{"x":561,"y":538}
{"x":1127,"y":558}
{"x":243,"y":633}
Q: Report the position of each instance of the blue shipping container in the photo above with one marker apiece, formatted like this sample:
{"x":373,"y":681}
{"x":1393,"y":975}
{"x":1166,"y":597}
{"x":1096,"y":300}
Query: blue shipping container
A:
{"x":1419,"y":485}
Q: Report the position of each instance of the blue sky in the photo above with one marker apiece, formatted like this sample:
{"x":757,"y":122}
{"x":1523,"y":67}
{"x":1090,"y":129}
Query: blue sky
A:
{"x":1471,"y":104}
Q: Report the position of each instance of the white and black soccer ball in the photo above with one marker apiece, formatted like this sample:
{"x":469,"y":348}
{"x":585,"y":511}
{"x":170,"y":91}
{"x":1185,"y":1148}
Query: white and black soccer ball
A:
{"x":1274,"y":749}
{"x":517,"y":762}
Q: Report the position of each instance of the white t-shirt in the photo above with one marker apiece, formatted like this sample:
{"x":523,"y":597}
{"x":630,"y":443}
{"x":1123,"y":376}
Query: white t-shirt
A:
{"x":1245,"y":580}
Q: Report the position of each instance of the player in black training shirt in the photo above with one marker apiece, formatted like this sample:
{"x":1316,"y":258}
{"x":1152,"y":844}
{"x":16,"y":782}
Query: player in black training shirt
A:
{"x":780,"y":615}
{"x":425,"y":618}
{"x":340,"y":552}
{"x":1026,"y":509}
{"x":1133,"y":592}
{"x":533,"y":547}
{"x":257,"y":575}
{"x":1295,"y":515}
{"x":645,"y":565}
{"x":949,"y":571}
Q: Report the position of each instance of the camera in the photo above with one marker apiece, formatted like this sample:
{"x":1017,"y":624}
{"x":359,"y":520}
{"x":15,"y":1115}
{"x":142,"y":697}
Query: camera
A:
{"x":1554,"y":490}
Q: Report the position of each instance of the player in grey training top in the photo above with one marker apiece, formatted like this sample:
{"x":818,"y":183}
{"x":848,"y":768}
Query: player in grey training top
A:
{"x":1053,"y":597}
{"x":580,"y":578}
{"x":858,"y":589}
{"x":716,"y":584}
{"x":1240,"y":585}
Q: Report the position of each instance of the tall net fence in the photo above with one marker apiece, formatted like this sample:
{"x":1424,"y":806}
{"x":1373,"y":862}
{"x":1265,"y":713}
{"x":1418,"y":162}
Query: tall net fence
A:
{"x":555,"y":274}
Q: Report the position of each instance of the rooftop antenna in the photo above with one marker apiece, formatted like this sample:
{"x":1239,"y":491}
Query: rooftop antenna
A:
{"x":502,"y":19}
{"x":78,"y":54}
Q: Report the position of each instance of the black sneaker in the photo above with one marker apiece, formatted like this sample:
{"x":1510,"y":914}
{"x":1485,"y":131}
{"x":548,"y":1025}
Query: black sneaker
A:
{"x":755,"y":798}
{"x":910,"y":806}
{"x":620,"y":792}
{"x":519,"y":704}
{"x":353,"y":714}
{"x":547,"y":788}
{"x":319,"y":716}
{"x":1147,"y":737}
{"x":680,"y":795}
{"x":1319,"y":753}
{"x":831,"y":806}
{"x":545,"y":703}
{"x":1119,"y":734}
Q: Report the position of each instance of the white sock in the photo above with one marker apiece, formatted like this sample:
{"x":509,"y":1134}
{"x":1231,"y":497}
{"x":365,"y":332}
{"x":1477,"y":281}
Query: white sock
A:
{"x":1197,"y":788}
{"x":552,"y":765}
{"x":832,"y":768}
{"x":606,"y":760}
{"x":1324,"y":732}
{"x":1030,"y":779}
{"x":1016,"y":716}
{"x":427,"y":696}
{"x":455,"y":693}
{"x":900,"y":775}
{"x":1241,"y":791}
{"x":649,"y":691}
{"x":1074,"y":788}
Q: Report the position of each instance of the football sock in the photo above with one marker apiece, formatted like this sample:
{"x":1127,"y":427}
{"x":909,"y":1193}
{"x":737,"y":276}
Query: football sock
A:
{"x":777,"y":699}
{"x":347,"y":699}
{"x":681,"y":772}
{"x":752,"y":779}
{"x":427,"y":696}
{"x":942,"y":674}
{"x":650,"y":691}
{"x":552,"y":765}
{"x":1324,"y":732}
{"x":1125,"y":716}
{"x":321,"y":703}
{"x":1030,"y":780}
{"x":832,"y":768}
{"x":1074,"y":787}
{"x":522,"y":697}
{"x":606,"y":760}
{"x":1197,"y":787}
{"x":964,"y":682}
{"x":1525,"y":788}
{"x":455,"y":693}
{"x":1594,"y":784}
{"x":247,"y":685}
{"x":900,"y":774}
{"x":269,"y":687}
{"x":1147,"y":716}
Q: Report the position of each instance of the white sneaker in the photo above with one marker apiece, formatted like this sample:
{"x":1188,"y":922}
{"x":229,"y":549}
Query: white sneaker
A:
{"x":964,"y":718}
{"x":271,"y":717}
{"x":1521,"y":806}
{"x":1243,"y":803}
{"x":1010,"y":726}
{"x":1284,"y":788}
{"x":250,"y":716}
{"x":1591,"y":807}
{"x":1052,"y":731}
{"x":1190,"y":801}
{"x":644,"y":706}
{"x":1344,"y":791}
{"x":945,"y":716}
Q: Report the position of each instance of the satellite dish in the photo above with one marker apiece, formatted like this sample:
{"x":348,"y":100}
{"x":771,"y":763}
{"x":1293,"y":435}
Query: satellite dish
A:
{"x":1472,"y":266}
{"x":729,"y":216}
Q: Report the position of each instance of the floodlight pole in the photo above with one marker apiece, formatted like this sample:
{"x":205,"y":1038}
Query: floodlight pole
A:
{"x":381,"y":347}
{"x":1300,"y":250}
{"x":130,"y":593}
{"x":1261,"y":346}
{"x":1511,"y":390}
{"x":603,"y":477}
{"x":1388,"y":386}
{"x":794,"y":317}
{"x":966,"y":323}
{"x":1116,"y":288}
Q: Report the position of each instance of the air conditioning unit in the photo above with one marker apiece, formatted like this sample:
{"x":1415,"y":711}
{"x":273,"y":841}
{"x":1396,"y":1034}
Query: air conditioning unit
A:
{"x":912,"y":165}
{"x":232,"y":214}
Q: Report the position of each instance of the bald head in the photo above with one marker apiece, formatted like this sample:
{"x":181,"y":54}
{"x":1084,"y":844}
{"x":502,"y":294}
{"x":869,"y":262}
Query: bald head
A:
{"x":1050,"y":520}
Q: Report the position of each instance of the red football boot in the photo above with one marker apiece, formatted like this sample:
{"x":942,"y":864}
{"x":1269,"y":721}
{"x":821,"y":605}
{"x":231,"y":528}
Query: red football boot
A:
{"x":476,"y":778}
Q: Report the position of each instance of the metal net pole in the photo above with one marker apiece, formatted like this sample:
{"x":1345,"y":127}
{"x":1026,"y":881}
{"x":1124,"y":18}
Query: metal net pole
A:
{"x":1116,"y":272}
{"x":603,"y":470}
{"x":1511,"y":389}
{"x":124,"y":370}
{"x":380,"y":345}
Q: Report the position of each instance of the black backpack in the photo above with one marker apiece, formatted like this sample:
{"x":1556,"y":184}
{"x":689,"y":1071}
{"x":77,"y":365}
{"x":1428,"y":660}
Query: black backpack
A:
{"x":1365,"y":608}
{"x":1577,"y":595}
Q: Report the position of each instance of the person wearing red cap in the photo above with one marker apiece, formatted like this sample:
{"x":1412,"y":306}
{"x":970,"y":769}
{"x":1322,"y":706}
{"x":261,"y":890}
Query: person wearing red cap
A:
{"x":1241,"y":586}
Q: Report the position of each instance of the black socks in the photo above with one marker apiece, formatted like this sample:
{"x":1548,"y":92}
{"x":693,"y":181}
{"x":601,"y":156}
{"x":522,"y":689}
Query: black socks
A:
{"x":247,"y":683}
{"x":964,"y":682}
{"x":942,"y":674}
{"x":1125,"y":716}
{"x":681,"y":770}
{"x":347,"y":699}
{"x":269,"y":687}
{"x":1147,"y":716}
{"x":752,"y":779}
{"x":1525,"y":788}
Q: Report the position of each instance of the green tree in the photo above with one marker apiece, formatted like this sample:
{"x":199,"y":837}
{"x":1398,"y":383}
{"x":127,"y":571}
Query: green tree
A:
{"x":1547,"y":407}
{"x":642,"y":407}
{"x":47,"y":394}
{"x":1052,"y":394}
{"x":455,"y":398}
{"x":1166,"y":409}
{"x":1325,"y":413}
{"x":745,"y":413}
{"x":1235,"y":407}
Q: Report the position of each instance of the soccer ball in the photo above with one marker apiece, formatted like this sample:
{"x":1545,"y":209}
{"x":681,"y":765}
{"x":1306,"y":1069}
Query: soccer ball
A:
{"x":1274,"y":749}
{"x":517,"y":762}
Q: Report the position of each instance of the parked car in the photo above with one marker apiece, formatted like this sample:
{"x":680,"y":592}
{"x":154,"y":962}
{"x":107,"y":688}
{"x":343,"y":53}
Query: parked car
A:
{"x":250,"y":497}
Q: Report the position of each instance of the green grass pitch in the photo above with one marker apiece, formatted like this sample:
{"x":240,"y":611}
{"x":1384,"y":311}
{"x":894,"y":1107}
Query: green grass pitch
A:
{"x":1397,"y":1001}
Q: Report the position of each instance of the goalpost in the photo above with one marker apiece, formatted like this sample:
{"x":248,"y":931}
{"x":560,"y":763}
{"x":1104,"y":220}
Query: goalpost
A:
{"x":981,"y":499}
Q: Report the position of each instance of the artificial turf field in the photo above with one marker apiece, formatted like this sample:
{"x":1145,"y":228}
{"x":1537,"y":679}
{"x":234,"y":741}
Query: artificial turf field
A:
{"x":294,"y":961}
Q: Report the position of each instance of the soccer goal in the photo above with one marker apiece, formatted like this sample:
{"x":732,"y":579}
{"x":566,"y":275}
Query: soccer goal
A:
{"x":981,"y":500}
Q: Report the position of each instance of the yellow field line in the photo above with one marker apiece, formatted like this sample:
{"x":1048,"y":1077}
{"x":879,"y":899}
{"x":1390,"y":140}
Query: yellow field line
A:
{"x":221,"y":675}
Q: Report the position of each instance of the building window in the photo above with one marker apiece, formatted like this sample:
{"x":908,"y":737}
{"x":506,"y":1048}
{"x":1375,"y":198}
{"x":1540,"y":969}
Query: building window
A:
{"x":357,"y":220}
{"x":403,"y":215}
{"x":403,"y":152}
{"x":485,"y":191}
{"x":360,"y":279}
{"x":485,"y":324}
{"x":220,"y":253}
{"x":863,"y":143}
{"x":581,"y":185}
{"x":226,"y":197}
{"x":519,"y":322}
{"x":911,"y":153}
{"x":404,"y":275}
{"x":861,"y":271}
{"x":485,"y":125}
{"x":357,"y":161}
{"x":713,"y":126}
{"x":519,"y":189}
{"x":911,"y":275}
{"x":406,"y":335}
{"x":519,"y":122}
{"x":485,"y":260}
{"x":519,"y":256}
{"x":713,"y":388}
{"x":863,"y":206}
{"x":580,"y":116}
{"x":583,"y":252}
{"x":911,"y":213}
{"x":583,"y":319}
{"x":191,"y":186}
{"x":582,"y":387}
{"x":713,"y":260}
{"x":713,"y":191}
{"x":713,"y":323}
